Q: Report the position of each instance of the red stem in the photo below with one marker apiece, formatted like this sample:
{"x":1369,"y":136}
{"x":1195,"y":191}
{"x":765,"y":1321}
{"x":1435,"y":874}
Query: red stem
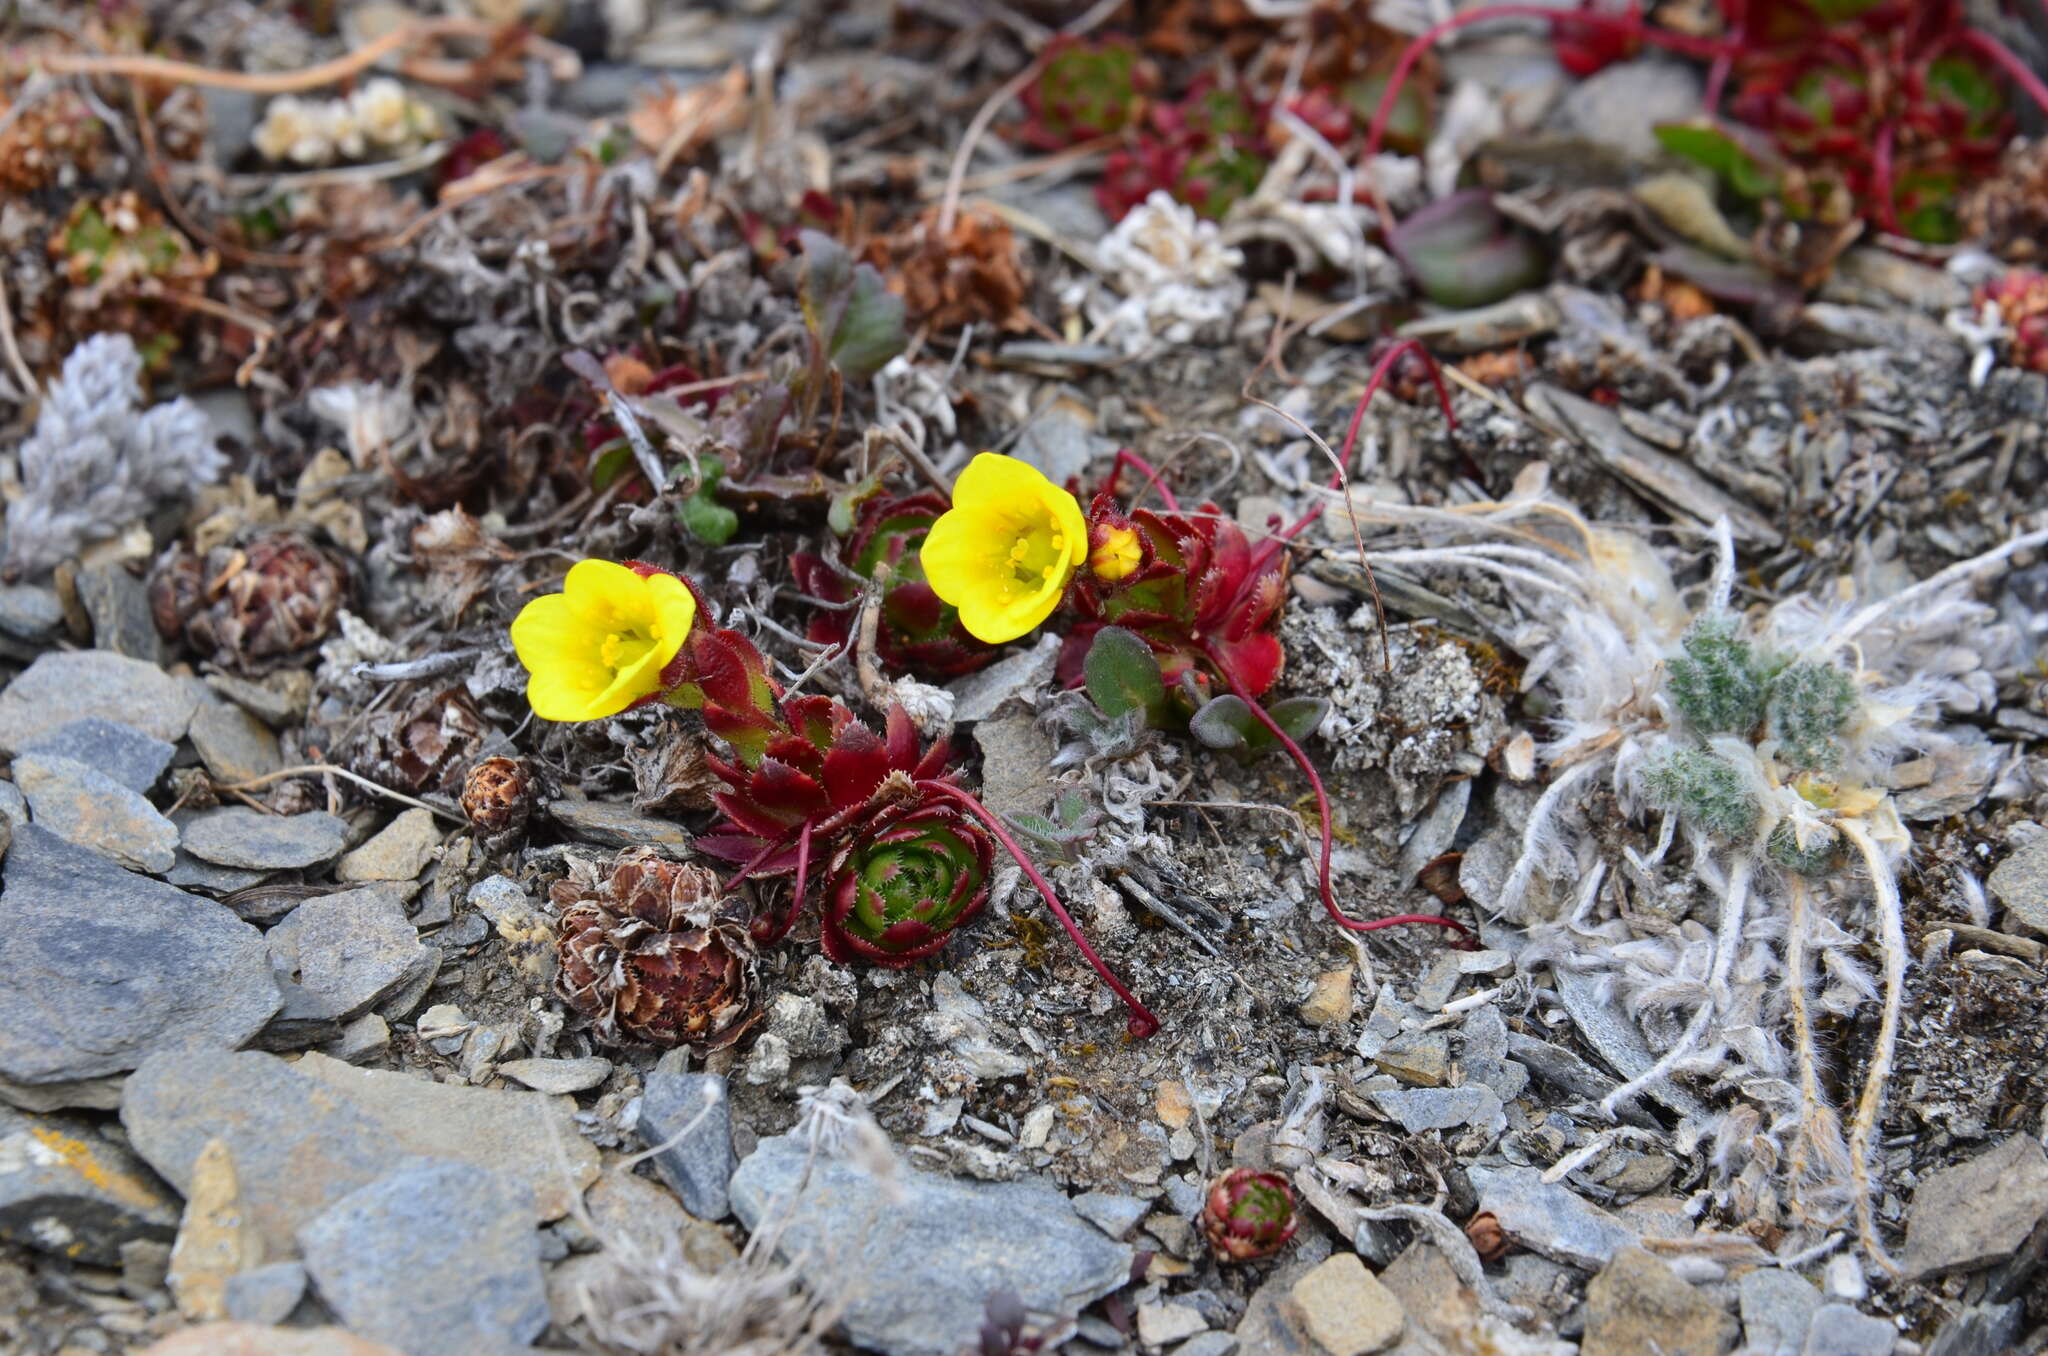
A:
{"x":1996,"y":52}
{"x":1881,"y":174}
{"x":1126,"y":457}
{"x":1315,"y":782}
{"x":770,"y":930}
{"x":1685,"y":43}
{"x":1142,"y":1023}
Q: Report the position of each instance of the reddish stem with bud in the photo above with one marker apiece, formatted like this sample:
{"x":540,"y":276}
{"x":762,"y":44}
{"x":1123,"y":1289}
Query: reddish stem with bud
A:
{"x":1142,"y":1023}
{"x":1126,"y":457}
{"x":1315,"y":782}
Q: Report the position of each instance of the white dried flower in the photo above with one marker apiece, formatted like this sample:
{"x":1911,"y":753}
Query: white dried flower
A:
{"x":390,"y":117}
{"x":1181,"y":283}
{"x":93,"y":465}
{"x":296,"y":130}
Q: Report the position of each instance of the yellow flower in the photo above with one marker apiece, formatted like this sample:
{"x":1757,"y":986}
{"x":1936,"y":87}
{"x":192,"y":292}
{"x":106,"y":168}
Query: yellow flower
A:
{"x":1116,"y":554}
{"x":600,"y":645}
{"x":1004,"y":552}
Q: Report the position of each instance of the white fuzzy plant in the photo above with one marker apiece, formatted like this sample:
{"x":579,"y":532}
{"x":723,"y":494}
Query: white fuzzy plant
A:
{"x":1766,"y":742}
{"x":97,"y":461}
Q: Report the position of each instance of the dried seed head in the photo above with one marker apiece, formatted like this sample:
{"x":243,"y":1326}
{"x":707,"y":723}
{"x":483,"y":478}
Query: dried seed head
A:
{"x":649,"y":953}
{"x":1248,"y":1214}
{"x":250,"y":607}
{"x":498,"y":797}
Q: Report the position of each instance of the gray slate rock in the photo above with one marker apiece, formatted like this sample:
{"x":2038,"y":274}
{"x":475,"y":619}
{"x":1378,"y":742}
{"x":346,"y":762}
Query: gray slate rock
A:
{"x":305,"y":1135}
{"x":117,"y":603}
{"x":1550,"y":1218}
{"x":1420,"y":1109}
{"x":30,"y":614}
{"x":67,"y":1191}
{"x":1839,"y":1330}
{"x":557,"y":1076}
{"x":266,"y":1294}
{"x":122,"y":752}
{"x":189,"y":873}
{"x":399,"y":852}
{"x":2020,"y":882}
{"x":85,"y":806}
{"x":596,"y":821}
{"x":1974,"y":1213}
{"x":1980,"y":1330}
{"x":432,"y":1257}
{"x":13,"y":805}
{"x":105,"y":967}
{"x":234,"y":745}
{"x":1021,"y":1235}
{"x":338,"y":956}
{"x":1117,"y":1216}
{"x":1485,"y":1056}
{"x":700,"y":1164}
{"x":60,"y":688}
{"x":1619,"y":105}
{"x":1777,"y":1309}
{"x":236,"y":835}
{"x":1617,"y":1038}
{"x":279,"y":701}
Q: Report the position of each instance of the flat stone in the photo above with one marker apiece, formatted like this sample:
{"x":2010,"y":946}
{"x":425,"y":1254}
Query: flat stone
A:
{"x":1839,"y":1330}
{"x":1346,"y":1309}
{"x":1419,"y":1058}
{"x":2020,"y":882}
{"x":338,"y":956}
{"x":1420,"y":1109}
{"x":1016,"y":765}
{"x":216,"y":1238}
{"x":1618,"y":105}
{"x":557,"y":1076}
{"x":1550,"y":1218}
{"x":266,"y":1294}
{"x":62,"y":687}
{"x":1617,"y":1039}
{"x":1208,"y":1344}
{"x":1331,"y":1001}
{"x":31,"y":614}
{"x":981,"y":694}
{"x":234,"y":745}
{"x":500,"y":897}
{"x":361,"y":1040}
{"x":258,"y":1339}
{"x":1777,"y":1308}
{"x":13,"y":806}
{"x":85,"y":806}
{"x":117,"y":603}
{"x":626,"y":1207}
{"x":1117,"y":1216}
{"x":1981,"y":1330}
{"x":1484,"y":1057}
{"x":279,"y":701}
{"x":96,"y":1094}
{"x":236,"y":835}
{"x":528,"y":1136}
{"x":122,"y":752}
{"x":65,"y":1190}
{"x":1977,"y":1212}
{"x":691,"y":1115}
{"x":400,"y":852}
{"x":1019,"y":1235}
{"x":432,"y":1257}
{"x":1638,"y":1304}
{"x":189,"y":873}
{"x":304,"y":1135}
{"x":105,"y":967}
{"x":596,"y":821}
{"x":1161,"y":1323}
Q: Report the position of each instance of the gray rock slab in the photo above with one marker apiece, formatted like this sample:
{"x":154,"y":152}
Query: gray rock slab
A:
{"x":400,"y":851}
{"x":30,"y":614}
{"x":1016,"y":765}
{"x":1021,"y":1235}
{"x":432,"y":1257}
{"x":236,"y":835}
{"x":189,"y":873}
{"x":117,"y":604}
{"x":1839,"y":1330}
{"x":234,"y":745}
{"x":278,"y":701}
{"x":557,"y":1076}
{"x":980,"y":694}
{"x":60,"y":688}
{"x":13,"y":805}
{"x":1981,"y":1330}
{"x":85,"y":806}
{"x":122,"y":752}
{"x":1117,"y":1216}
{"x":338,"y":956}
{"x":2020,"y":882}
{"x":1977,"y":1212}
{"x":1420,"y":1109}
{"x":1616,"y":1038}
{"x":1550,"y":1218}
{"x":67,"y":1191}
{"x":266,"y":1294}
{"x":596,"y":821}
{"x":304,"y":1135}
{"x":1777,"y":1309}
{"x":690,"y":1115}
{"x":105,"y":967}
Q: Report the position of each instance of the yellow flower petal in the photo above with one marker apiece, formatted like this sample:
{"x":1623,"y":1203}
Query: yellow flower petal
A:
{"x":1005,"y":550}
{"x":601,"y":644}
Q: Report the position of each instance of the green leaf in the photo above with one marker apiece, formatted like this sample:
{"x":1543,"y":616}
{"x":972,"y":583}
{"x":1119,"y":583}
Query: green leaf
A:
{"x":613,"y":460}
{"x":1716,"y":150}
{"x":1123,"y":675}
{"x":1299,"y":716}
{"x":702,"y":516}
{"x":1225,"y":723}
{"x":871,"y":331}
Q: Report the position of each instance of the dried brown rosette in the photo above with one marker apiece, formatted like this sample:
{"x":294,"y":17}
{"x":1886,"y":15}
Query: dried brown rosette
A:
{"x":497,"y":795}
{"x":249,"y":607}
{"x":650,"y":951}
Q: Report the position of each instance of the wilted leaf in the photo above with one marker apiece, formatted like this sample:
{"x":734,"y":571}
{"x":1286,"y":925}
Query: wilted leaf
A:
{"x":851,"y":311}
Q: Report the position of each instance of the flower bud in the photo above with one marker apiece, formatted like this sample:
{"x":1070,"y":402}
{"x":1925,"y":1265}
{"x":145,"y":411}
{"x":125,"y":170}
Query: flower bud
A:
{"x":498,"y":797}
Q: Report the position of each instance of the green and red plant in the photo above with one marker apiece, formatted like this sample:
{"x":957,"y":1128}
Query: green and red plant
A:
{"x":1248,"y":1214}
{"x":1086,"y":88}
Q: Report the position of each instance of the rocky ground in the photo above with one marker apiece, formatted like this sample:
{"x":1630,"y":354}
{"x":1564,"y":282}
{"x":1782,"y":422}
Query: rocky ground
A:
{"x":294,"y":420}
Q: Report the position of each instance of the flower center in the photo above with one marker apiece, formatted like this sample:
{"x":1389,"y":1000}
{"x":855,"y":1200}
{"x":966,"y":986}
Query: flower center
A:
{"x":625,"y":648}
{"x":1036,"y":556}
